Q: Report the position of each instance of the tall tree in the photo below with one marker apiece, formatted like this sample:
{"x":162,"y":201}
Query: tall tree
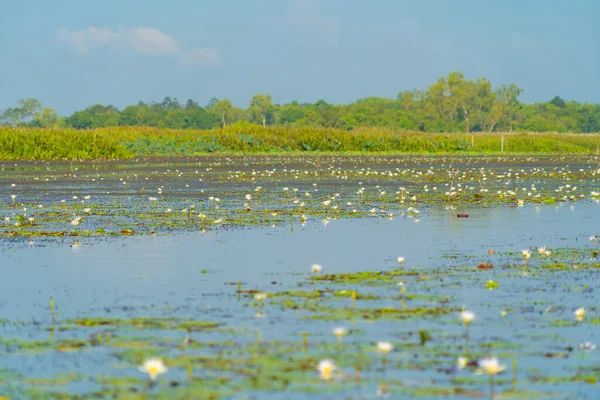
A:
{"x":558,"y":102}
{"x":508,"y":104}
{"x":29,"y":107}
{"x":224,"y":109}
{"x":261,"y":107}
{"x":482,"y":104}
{"x":25,"y":111}
{"x":451,"y":104}
{"x":191,"y":105}
{"x":47,"y":118}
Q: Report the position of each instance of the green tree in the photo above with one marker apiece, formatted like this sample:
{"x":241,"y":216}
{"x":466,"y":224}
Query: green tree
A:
{"x":170,"y":104}
{"x":261,"y":108}
{"x":12,"y":116}
{"x":224,"y":109}
{"x":288,"y":114}
{"x":47,"y":118}
{"x":131,"y":116}
{"x":448,"y":100}
{"x":80,"y":120}
{"x":191,"y":105}
{"x":451,"y":104}
{"x":588,"y":117}
{"x":558,"y":102}
{"x":483,"y":103}
{"x":468,"y":98}
{"x":201,"y":118}
{"x":25,"y":111}
{"x":508,"y":106}
{"x":30,"y":107}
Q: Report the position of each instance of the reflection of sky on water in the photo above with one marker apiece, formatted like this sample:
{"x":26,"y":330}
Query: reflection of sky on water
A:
{"x":186,"y":275}
{"x":168,"y":267}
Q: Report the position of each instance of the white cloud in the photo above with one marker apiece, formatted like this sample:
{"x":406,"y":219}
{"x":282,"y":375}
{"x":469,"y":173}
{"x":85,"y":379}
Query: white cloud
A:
{"x":306,"y":16}
{"x":142,"y":40}
{"x":149,"y":41}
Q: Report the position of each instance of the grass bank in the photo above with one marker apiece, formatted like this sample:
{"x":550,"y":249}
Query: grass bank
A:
{"x":127,"y":142}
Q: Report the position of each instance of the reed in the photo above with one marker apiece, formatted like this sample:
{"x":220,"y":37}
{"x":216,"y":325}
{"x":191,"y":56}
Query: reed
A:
{"x":126,"y":142}
{"x":40,"y":144}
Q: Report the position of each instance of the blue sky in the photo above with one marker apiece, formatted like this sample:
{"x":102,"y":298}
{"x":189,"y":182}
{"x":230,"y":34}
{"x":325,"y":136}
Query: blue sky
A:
{"x":71,"y":54}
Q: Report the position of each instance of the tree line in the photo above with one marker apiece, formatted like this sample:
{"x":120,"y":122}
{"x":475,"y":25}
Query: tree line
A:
{"x":452,"y":104}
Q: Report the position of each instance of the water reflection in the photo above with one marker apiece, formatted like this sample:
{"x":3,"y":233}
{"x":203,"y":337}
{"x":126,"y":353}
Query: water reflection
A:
{"x":195,"y":275}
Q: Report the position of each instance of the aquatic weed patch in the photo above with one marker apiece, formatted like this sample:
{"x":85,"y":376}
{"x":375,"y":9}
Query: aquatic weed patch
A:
{"x":146,"y":323}
{"x":223,"y":192}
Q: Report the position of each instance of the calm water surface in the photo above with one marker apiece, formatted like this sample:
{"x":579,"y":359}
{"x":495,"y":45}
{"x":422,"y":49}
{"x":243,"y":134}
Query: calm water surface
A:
{"x":187,"y":275}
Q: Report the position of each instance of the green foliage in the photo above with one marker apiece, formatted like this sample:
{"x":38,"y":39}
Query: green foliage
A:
{"x":452,"y":104}
{"x":26,"y":110}
{"x":241,"y":137}
{"x":424,"y":337}
{"x":32,"y":143}
{"x":47,"y":118}
{"x":225,"y":109}
{"x":261,"y":108}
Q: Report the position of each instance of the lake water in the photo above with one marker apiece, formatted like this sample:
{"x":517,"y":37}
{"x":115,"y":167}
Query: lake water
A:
{"x":189,"y":276}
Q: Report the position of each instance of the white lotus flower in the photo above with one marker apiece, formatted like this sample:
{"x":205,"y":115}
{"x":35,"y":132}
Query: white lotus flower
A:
{"x":385,"y":347}
{"x":467,"y":316}
{"x":260,"y":296}
{"x":340,"y":332}
{"x":153,"y":367}
{"x":579,"y":314}
{"x":543,"y":251}
{"x":490,"y":366}
{"x":326,"y":369}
